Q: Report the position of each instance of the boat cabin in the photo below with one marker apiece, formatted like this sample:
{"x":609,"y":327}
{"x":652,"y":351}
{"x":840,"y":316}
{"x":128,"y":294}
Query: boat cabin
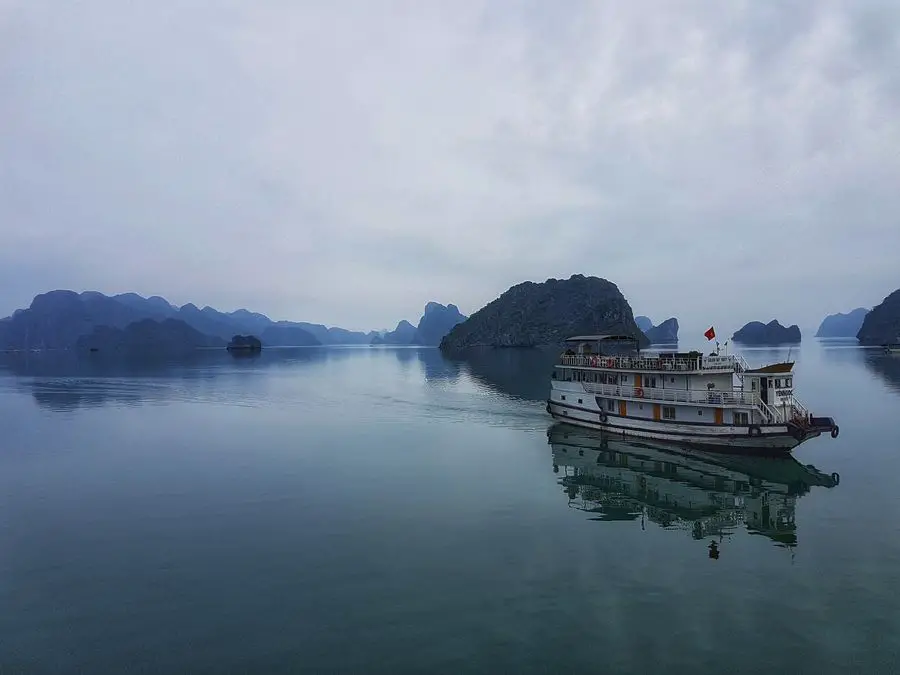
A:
{"x":774,"y":384}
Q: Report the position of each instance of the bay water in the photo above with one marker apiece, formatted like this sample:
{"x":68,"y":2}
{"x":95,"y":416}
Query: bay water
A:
{"x":387,"y":510}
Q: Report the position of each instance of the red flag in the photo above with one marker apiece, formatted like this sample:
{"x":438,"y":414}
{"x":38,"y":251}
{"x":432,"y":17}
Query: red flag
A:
{"x":710,"y":334}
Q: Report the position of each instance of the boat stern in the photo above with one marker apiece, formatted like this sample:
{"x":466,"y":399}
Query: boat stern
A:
{"x":813,"y":427}
{"x":825,"y":425}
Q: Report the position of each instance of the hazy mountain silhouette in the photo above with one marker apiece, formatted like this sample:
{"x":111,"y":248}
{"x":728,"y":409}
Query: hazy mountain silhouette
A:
{"x":57,"y":319}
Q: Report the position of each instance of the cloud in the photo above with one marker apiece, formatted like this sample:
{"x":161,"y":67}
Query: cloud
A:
{"x":346,"y":162}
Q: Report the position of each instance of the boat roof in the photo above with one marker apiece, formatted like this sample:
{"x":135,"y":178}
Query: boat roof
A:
{"x":774,"y":368}
{"x":597,"y":338}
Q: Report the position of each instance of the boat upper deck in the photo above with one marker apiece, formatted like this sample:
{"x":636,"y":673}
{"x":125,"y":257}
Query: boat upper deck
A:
{"x":691,"y":362}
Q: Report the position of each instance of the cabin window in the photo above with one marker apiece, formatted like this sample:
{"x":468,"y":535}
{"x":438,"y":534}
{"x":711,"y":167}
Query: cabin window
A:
{"x":741,"y":418}
{"x":753,"y":384}
{"x":699,"y":412}
{"x":668,"y":413}
{"x":789,"y":382}
{"x":562,"y":398}
{"x":579,"y":400}
{"x":672,"y":380}
{"x":610,"y":405}
{"x":778,"y":383}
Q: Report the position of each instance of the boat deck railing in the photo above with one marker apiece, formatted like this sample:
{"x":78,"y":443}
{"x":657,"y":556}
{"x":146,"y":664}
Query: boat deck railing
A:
{"x":699,"y":363}
{"x":789,"y":410}
{"x":659,"y":395}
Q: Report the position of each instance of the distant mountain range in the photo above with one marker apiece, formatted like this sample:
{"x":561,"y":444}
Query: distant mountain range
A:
{"x":525,"y":315}
{"x":59,"y":319}
{"x":93,"y":321}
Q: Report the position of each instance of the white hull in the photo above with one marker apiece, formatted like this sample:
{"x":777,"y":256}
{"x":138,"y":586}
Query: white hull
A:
{"x":771,"y":437}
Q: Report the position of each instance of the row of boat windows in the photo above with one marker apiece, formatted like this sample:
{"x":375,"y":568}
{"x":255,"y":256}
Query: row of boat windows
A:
{"x":668,"y":412}
{"x":650,"y":381}
{"x":786,"y":382}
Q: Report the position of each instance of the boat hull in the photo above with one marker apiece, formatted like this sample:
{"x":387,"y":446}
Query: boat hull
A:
{"x":771,"y":438}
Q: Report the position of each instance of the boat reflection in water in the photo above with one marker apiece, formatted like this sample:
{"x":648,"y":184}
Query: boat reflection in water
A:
{"x":707,"y":493}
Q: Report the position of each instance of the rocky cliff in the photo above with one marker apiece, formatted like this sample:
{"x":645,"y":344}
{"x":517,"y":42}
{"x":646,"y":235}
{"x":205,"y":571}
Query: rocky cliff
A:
{"x":533,"y":314}
{"x":882,"y":324}
{"x":772,"y":333}
{"x":842,"y":325}
{"x":664,"y":333}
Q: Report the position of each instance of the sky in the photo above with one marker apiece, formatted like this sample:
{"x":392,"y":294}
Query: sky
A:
{"x":345,"y":162}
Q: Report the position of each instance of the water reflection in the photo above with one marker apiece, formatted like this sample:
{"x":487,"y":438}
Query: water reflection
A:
{"x":886,"y":366}
{"x":405,"y":355}
{"x":707,"y":494}
{"x":843,"y":351}
{"x":80,"y":364}
{"x":436,"y":366}
{"x":518,"y":373}
{"x":66,"y":381}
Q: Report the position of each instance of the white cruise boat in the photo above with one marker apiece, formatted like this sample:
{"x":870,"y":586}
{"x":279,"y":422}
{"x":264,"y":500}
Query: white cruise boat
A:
{"x":606,"y":382}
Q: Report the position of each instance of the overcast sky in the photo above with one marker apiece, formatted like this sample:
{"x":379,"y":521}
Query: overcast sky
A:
{"x":345,"y":162}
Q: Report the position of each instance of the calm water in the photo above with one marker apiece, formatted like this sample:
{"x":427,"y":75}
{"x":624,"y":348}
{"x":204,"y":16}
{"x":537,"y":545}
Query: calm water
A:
{"x":387,"y":511}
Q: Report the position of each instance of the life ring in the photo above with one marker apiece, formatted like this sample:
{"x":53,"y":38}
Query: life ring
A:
{"x":638,"y":392}
{"x":836,"y":478}
{"x":603,"y":417}
{"x":835,"y":430}
{"x":754,"y":430}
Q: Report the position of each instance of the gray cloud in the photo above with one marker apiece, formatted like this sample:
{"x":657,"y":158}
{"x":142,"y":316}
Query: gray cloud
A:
{"x":345,"y":162}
